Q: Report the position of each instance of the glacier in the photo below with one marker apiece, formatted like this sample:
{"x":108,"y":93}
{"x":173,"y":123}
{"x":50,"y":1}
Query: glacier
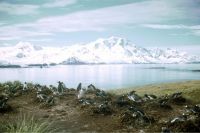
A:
{"x":112,"y":50}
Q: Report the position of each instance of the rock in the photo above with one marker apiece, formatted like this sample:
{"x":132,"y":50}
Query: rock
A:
{"x":177,"y":98}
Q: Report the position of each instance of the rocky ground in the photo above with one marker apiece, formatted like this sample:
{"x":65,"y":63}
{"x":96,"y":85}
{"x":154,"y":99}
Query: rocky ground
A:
{"x":88,"y":108}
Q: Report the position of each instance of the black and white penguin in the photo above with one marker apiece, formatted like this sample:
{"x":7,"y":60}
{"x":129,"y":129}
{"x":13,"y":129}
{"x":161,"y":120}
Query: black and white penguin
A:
{"x":50,"y":100}
{"x":150,"y":97}
{"x":41,"y":97}
{"x":91,"y":87}
{"x":179,"y":119}
{"x":61,"y":87}
{"x":134,"y":97}
{"x":79,"y":87}
{"x":25,"y":87}
{"x":81,"y":93}
{"x":176,"y":95}
{"x":3,"y":101}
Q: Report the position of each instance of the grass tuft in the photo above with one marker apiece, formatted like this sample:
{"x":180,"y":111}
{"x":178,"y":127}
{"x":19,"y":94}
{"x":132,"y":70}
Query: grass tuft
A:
{"x":28,"y":124}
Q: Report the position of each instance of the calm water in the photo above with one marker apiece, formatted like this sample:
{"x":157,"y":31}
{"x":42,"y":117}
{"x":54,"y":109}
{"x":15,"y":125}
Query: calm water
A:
{"x":104,"y":76}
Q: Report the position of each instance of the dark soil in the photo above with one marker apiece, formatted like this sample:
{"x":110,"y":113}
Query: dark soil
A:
{"x":103,"y":112}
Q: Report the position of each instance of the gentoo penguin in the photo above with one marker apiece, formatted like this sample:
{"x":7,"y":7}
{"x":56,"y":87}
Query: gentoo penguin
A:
{"x":50,"y":100}
{"x":60,"y":87}
{"x":150,"y":97}
{"x":137,"y":110}
{"x":79,"y":87}
{"x":25,"y":87}
{"x":3,"y":101}
{"x":81,"y":93}
{"x":41,"y":97}
{"x":177,"y":94}
{"x":134,"y":97}
{"x":165,"y":130}
{"x":91,"y":87}
{"x":38,"y":87}
{"x":179,"y":119}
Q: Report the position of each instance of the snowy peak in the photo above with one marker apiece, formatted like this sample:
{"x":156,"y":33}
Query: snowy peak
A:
{"x":111,"y":42}
{"x":26,"y":46}
{"x":107,"y":50}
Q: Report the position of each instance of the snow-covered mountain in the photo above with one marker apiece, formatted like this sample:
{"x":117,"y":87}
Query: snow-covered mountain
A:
{"x":110,"y":50}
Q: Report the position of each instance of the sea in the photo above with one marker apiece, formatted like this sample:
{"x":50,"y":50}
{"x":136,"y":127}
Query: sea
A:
{"x":104,"y":76}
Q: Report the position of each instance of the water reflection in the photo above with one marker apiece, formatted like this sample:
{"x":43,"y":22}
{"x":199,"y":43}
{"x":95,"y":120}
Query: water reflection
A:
{"x":104,"y":76}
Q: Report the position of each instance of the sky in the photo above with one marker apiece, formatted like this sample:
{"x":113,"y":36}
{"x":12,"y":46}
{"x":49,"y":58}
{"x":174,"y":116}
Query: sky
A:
{"x":146,"y":23}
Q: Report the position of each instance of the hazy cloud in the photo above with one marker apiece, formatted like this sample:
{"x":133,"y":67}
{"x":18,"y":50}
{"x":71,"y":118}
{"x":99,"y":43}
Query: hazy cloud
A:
{"x":18,"y":9}
{"x":59,"y":3}
{"x":169,"y":27}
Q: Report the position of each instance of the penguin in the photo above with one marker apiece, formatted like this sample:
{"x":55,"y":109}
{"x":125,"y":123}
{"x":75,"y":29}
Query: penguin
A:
{"x":3,"y":101}
{"x":60,"y":87}
{"x":137,"y":110}
{"x":25,"y":87}
{"x":165,"y":130}
{"x":38,"y":87}
{"x":41,"y":97}
{"x":179,"y":119}
{"x":91,"y":87}
{"x":176,"y":95}
{"x":134,"y":97}
{"x":150,"y":97}
{"x":79,"y":87}
{"x":53,"y":89}
{"x":81,"y":93}
{"x":50,"y":100}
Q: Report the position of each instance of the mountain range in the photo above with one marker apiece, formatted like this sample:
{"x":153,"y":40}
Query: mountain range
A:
{"x":113,"y":50}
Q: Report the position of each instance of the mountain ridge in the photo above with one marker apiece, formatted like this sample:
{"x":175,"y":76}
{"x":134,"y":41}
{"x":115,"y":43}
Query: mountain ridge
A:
{"x":113,"y":50}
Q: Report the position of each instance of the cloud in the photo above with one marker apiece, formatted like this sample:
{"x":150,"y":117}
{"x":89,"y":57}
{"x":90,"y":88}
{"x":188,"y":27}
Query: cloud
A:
{"x":19,"y":31}
{"x":151,"y":11}
{"x":196,"y":32}
{"x":170,"y":27}
{"x":18,"y":9}
{"x":192,"y":29}
{"x":59,"y":3}
{"x":101,"y":19}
